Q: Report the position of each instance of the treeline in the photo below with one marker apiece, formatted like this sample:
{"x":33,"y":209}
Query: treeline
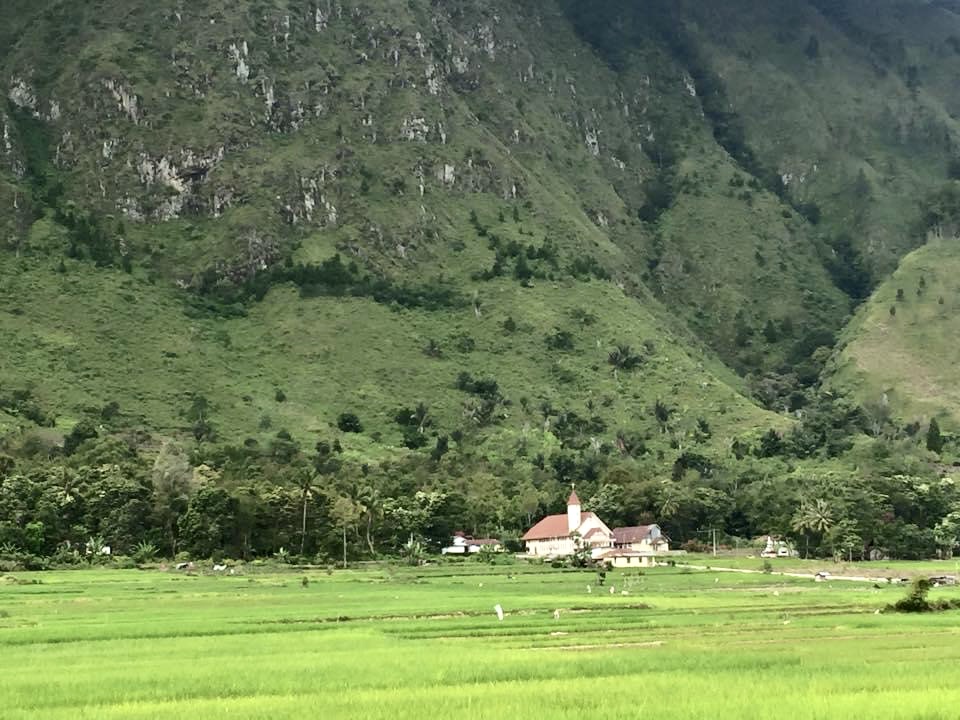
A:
{"x":262,"y":499}
{"x":216,"y":294}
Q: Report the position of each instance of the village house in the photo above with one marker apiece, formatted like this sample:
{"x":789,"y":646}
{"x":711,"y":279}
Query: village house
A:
{"x":641,"y":538}
{"x":464,"y":545}
{"x":564,"y":535}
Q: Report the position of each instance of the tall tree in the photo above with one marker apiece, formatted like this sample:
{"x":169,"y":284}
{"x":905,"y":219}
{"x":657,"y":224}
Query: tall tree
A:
{"x":934,"y":437}
{"x":172,"y":479}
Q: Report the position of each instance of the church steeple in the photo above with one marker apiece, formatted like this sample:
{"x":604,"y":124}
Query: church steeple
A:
{"x":573,"y":510}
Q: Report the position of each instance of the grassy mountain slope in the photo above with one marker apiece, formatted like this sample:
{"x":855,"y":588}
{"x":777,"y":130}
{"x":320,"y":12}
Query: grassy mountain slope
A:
{"x":900,"y":348}
{"x":379,"y":168}
{"x":355,"y":203}
{"x":329,"y":356}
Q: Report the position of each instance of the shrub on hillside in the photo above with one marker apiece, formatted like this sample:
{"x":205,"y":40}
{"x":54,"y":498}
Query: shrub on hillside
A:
{"x":349,"y":423}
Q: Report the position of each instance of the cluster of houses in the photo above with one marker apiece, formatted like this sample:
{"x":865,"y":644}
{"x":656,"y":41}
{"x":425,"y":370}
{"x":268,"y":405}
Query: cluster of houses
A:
{"x":579,"y":532}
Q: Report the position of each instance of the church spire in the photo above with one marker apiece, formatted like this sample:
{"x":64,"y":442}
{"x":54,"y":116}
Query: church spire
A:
{"x":573,"y":511}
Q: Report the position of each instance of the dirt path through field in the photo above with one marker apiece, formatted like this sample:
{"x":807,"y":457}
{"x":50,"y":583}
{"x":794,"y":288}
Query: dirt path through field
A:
{"x":808,"y":576}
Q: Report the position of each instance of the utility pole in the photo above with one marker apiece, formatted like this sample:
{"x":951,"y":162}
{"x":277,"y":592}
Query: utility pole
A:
{"x":714,"y":531}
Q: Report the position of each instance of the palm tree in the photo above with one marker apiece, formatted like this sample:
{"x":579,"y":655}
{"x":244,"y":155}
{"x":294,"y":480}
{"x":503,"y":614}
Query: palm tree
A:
{"x":622,"y":357}
{"x":670,"y":503}
{"x":370,"y":504}
{"x":421,"y":417}
{"x":308,"y":482}
{"x":662,"y":412}
{"x":812,"y":517}
{"x":821,"y":516}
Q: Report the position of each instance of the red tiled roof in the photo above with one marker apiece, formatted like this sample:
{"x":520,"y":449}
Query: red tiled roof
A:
{"x":573,"y":499}
{"x":627,"y":535}
{"x":592,"y":532}
{"x":553,"y":526}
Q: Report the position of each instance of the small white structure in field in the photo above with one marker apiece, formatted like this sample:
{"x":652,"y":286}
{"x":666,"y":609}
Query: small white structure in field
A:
{"x":465,"y":545}
{"x":499,"y":611}
{"x":612,"y":590}
{"x":775,"y":548}
{"x":589,"y":589}
{"x":556,"y":614}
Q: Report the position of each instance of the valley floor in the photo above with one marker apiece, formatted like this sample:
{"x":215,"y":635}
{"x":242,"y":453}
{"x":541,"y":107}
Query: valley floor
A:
{"x":412,"y":643}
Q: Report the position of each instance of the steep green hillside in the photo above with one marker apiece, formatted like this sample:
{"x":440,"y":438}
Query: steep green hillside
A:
{"x":470,"y":173}
{"x":716,"y":186}
{"x":900,"y":350}
{"x":297,"y":363}
{"x":464,"y":253}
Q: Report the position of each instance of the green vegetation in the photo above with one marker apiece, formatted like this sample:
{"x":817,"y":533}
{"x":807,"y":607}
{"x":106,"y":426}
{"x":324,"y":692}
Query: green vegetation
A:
{"x":903,"y":364}
{"x":349,"y":269}
{"x":259,"y":643}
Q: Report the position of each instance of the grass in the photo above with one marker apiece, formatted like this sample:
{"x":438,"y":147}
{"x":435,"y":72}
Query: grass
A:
{"x":909,"y":357}
{"x":150,"y":361}
{"x":880,"y":569}
{"x":399,"y":642}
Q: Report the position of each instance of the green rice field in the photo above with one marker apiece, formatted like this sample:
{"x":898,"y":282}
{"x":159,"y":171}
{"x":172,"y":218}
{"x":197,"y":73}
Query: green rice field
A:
{"x":395,"y":642}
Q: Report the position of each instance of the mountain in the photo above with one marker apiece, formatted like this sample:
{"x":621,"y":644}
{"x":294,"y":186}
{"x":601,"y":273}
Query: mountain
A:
{"x":501,"y":233}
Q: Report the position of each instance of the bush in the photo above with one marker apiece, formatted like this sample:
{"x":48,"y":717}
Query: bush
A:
{"x":694,"y":546}
{"x":81,"y":432}
{"x":65,"y":556}
{"x":916,"y":600}
{"x":144,"y":552}
{"x":349,"y":423}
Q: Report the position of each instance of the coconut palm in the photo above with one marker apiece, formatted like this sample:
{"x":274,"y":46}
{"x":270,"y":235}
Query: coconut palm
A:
{"x":308,"y":483}
{"x":670,"y":501}
{"x":815,"y":517}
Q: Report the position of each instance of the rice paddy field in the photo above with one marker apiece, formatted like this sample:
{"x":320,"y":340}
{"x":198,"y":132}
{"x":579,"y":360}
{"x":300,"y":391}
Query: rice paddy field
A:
{"x":396,"y":643}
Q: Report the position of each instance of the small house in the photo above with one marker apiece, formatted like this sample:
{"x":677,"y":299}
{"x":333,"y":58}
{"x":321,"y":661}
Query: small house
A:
{"x":463,"y":544}
{"x":629,"y":558}
{"x":641,"y":538}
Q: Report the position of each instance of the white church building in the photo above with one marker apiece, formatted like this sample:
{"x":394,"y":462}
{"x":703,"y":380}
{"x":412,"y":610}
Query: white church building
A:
{"x":562,"y":535}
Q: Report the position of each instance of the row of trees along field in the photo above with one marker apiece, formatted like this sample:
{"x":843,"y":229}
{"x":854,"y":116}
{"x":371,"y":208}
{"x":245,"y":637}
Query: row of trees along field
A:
{"x":842,"y":483}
